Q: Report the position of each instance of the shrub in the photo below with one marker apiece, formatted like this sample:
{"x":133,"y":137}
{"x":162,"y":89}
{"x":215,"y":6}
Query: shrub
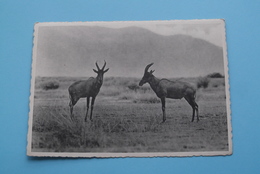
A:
{"x":133,"y":87}
{"x":203,"y":82}
{"x":215,"y":75}
{"x":215,"y":85}
{"x":50,"y":85}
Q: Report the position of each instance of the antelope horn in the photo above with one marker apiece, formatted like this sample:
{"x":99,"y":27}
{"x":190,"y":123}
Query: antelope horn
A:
{"x":104,"y":65}
{"x":97,"y":66}
{"x":147,"y":67}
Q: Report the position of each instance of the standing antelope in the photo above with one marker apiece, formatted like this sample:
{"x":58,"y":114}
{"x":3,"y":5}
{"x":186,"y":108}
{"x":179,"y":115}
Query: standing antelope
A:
{"x":86,"y":89}
{"x":165,"y":88}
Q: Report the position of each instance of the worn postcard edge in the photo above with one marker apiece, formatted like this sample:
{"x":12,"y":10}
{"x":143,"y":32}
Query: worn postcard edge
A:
{"x":135,"y":154}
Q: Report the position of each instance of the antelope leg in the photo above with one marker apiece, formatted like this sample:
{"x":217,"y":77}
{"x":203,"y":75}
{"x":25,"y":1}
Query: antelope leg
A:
{"x":193,"y":113}
{"x":92,"y":106}
{"x":163,"y":108}
{"x":192,"y":104}
{"x":197,"y":109}
{"x":71,"y":110}
{"x":87,"y":109}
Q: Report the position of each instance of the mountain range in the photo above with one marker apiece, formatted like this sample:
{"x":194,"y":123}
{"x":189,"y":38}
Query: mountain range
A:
{"x":73,"y":51}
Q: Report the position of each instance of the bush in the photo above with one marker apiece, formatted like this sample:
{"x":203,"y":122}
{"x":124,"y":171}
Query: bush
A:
{"x":215,"y":75}
{"x":50,"y":85}
{"x":203,"y":82}
{"x":215,"y":85}
{"x":133,"y":87}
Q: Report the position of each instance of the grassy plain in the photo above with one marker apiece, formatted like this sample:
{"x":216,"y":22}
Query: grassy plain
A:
{"x":128,"y":118}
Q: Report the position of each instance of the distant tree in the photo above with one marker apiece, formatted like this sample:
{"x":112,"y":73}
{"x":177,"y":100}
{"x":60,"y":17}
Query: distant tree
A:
{"x":215,"y":75}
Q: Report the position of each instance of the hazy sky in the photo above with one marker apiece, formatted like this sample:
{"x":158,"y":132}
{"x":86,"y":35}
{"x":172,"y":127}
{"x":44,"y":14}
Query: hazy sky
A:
{"x":209,"y":31}
{"x":71,"y":49}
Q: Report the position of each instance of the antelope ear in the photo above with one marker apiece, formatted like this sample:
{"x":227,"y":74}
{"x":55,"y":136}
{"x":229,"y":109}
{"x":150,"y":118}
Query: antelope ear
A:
{"x":106,"y":70}
{"x":95,"y":71}
{"x":152,"y":71}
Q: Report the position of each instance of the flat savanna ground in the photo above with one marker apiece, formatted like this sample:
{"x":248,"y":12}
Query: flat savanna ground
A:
{"x":128,"y":119}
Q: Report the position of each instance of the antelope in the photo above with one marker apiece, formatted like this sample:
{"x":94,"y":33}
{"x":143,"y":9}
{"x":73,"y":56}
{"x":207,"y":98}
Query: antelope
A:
{"x":165,"y":88}
{"x":86,"y":89}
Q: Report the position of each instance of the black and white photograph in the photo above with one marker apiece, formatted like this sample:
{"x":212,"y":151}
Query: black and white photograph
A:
{"x":130,"y":89}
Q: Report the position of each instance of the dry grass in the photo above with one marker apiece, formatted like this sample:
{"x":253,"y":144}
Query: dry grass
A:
{"x":128,"y":120}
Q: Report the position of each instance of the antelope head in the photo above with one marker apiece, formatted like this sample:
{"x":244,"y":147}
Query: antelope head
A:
{"x":147,"y":75}
{"x":100,"y":72}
